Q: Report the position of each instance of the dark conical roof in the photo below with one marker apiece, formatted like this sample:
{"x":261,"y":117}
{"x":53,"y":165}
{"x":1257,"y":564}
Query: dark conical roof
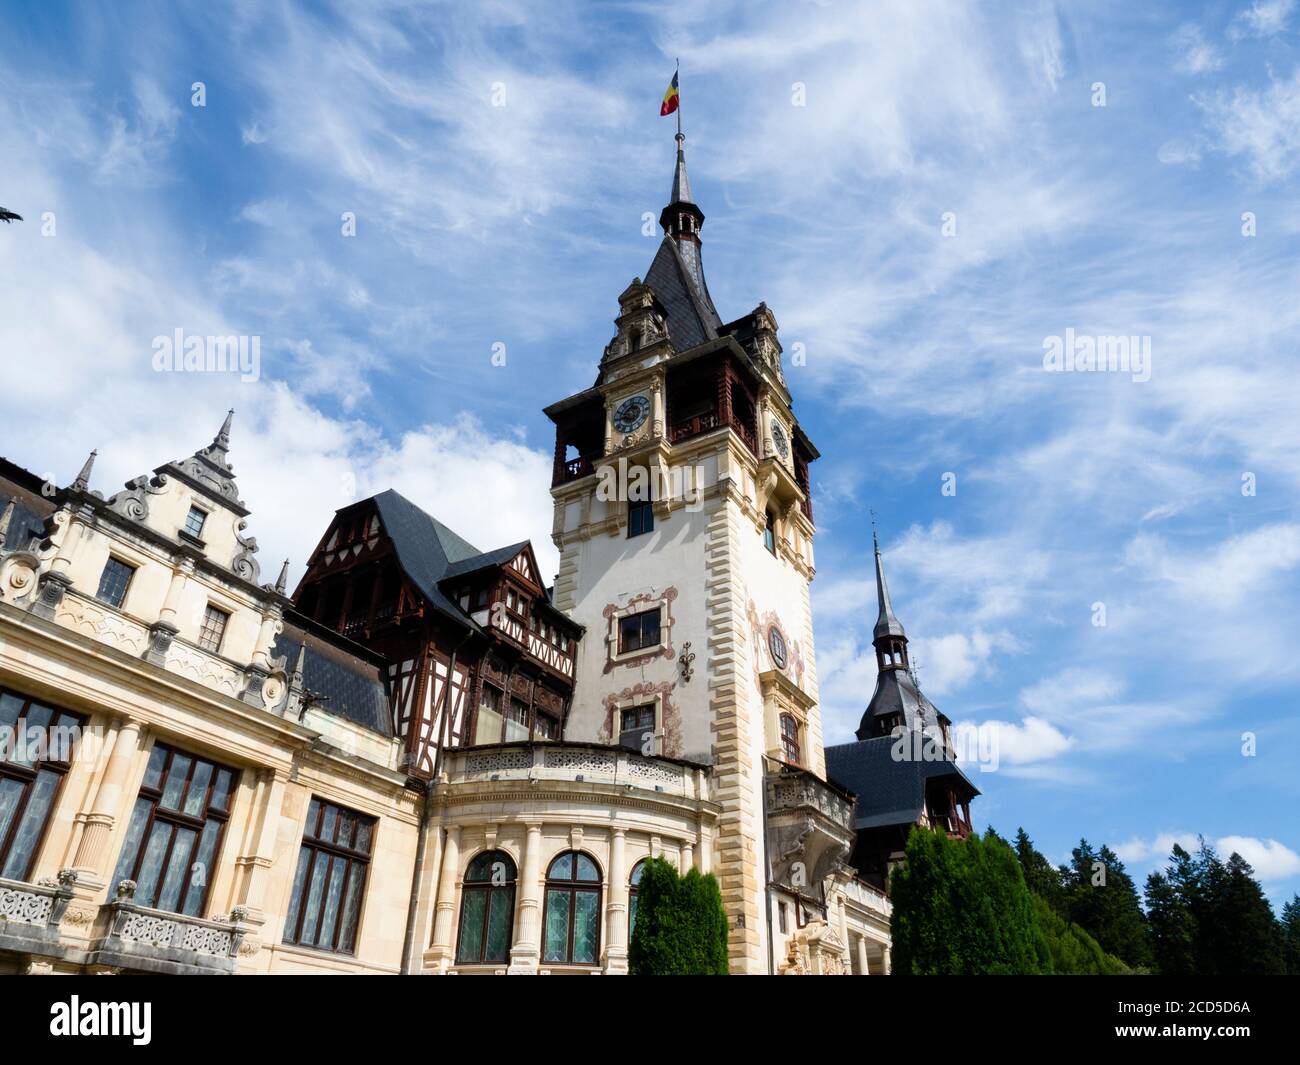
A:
{"x":886,"y":623}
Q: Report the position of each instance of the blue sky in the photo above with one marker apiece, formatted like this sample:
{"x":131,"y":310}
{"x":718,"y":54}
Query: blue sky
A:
{"x":499,"y":159}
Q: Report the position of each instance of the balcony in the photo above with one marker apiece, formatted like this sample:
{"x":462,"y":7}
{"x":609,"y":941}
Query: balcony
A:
{"x":689,"y":427}
{"x":30,"y":915}
{"x":809,"y":828}
{"x":141,"y":939}
{"x":572,"y":470}
{"x":537,"y":763}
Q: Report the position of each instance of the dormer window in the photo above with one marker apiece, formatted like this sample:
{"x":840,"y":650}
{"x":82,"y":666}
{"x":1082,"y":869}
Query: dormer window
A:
{"x":194,"y":522}
{"x":113,"y":582}
{"x":214,"y":628}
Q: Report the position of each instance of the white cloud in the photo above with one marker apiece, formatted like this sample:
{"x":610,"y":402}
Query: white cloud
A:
{"x":1195,"y":54}
{"x":1032,"y":740}
{"x":1262,"y":127}
{"x":1270,"y":859}
{"x":1264,"y":18}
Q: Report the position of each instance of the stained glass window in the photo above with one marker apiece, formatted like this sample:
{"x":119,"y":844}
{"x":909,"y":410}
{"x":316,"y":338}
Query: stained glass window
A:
{"x":572,"y":920}
{"x":174,"y":832}
{"x":633,"y":890}
{"x":36,"y":745}
{"x":487,"y":909}
{"x":330,"y":878}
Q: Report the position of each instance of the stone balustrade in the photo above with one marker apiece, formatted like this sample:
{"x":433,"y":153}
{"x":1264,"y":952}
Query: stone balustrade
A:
{"x":593,"y":763}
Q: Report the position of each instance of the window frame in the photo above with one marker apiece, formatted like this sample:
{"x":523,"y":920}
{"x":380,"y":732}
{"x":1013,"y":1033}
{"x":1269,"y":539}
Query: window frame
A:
{"x":300,"y":894}
{"x":769,"y":533}
{"x":131,"y":569}
{"x":487,"y":888}
{"x":195,"y":534}
{"x":178,"y":819}
{"x":640,"y":517}
{"x":791,"y":738}
{"x":653,"y":709}
{"x":28,"y":775}
{"x":573,"y":888}
{"x":633,"y":893}
{"x":639,"y":617}
{"x":226,"y":615}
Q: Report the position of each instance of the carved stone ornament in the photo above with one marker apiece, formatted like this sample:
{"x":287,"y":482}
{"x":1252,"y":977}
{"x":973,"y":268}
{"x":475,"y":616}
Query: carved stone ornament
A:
{"x":133,"y":503}
{"x":244,"y":564}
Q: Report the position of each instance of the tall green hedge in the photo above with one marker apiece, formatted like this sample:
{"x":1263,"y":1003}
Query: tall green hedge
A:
{"x":681,"y":927}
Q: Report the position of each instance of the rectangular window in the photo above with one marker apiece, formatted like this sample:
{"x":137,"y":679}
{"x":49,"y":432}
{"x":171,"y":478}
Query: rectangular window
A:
{"x":194,"y":521}
{"x":488,"y":728}
{"x":638,"y":631}
{"x":330,"y":879}
{"x":640,"y":518}
{"x":790,"y":739}
{"x":214,"y":628}
{"x":548,"y":728}
{"x":36,"y":743}
{"x":173,"y":839}
{"x":113,"y":582}
{"x":634,"y":723}
{"x":516,"y":721}
{"x":782,"y":918}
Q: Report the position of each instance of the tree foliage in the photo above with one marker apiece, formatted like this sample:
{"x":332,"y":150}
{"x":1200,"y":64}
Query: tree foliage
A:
{"x":962,"y":907}
{"x":681,"y":927}
{"x":1211,"y":918}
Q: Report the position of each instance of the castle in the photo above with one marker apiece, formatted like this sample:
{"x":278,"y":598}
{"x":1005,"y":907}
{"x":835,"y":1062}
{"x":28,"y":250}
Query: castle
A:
{"x":429,"y":758}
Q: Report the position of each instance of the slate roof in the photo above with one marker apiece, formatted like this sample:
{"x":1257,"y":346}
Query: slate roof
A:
{"x":426,"y":549}
{"x":897,"y":693}
{"x":692,"y":318}
{"x":350,"y":682}
{"x":890,"y":791}
{"x":499,"y":557}
{"x":27,"y":522}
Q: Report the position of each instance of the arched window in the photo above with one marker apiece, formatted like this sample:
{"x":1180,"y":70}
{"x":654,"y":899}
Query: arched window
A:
{"x":572,"y":918}
{"x":769,"y":533}
{"x":633,"y":890}
{"x":790,"y":738}
{"x":487,"y":909}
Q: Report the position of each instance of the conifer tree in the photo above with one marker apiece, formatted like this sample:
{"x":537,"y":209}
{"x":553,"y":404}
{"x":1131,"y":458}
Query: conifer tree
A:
{"x":681,"y":927}
{"x":1291,"y":936}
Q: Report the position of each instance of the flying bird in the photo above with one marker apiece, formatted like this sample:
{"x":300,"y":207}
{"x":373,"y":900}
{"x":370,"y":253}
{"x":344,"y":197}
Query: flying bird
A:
{"x":9,"y":216}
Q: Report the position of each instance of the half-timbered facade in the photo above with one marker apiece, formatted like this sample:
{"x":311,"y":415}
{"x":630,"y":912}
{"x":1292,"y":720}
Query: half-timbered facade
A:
{"x":406,"y":586}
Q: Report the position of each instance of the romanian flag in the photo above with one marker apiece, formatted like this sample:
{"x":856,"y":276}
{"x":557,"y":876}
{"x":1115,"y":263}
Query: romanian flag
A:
{"x":670,"y":98}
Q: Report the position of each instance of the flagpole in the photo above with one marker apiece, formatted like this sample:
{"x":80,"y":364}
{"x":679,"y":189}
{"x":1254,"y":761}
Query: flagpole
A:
{"x":678,"y":78}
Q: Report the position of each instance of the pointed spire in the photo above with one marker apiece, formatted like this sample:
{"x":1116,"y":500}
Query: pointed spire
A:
{"x":222,"y":439}
{"x":681,"y":183}
{"x":887,"y":624}
{"x":82,"y":483}
{"x":6,"y":517}
{"x":282,"y":582}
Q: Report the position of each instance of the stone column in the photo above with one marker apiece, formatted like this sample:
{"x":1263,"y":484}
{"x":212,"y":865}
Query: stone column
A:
{"x":888,"y":965}
{"x":843,"y":906}
{"x":616,"y":908}
{"x":444,"y":918}
{"x":254,"y":867}
{"x":98,"y":827}
{"x":688,"y":856}
{"x":864,"y":966}
{"x":527,"y":951}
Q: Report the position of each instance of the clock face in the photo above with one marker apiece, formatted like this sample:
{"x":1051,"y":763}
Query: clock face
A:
{"x":780,"y":441}
{"x":631,"y":413}
{"x":776,"y":644}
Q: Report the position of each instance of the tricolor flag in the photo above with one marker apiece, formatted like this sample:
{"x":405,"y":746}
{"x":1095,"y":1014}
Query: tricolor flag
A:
{"x":670,"y":98}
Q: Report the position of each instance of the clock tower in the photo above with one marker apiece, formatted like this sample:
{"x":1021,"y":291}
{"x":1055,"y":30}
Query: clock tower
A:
{"x":684,"y":521}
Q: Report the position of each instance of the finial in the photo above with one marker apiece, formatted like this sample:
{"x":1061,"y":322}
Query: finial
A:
{"x":282,"y":582}
{"x":222,"y":439}
{"x":82,"y":483}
